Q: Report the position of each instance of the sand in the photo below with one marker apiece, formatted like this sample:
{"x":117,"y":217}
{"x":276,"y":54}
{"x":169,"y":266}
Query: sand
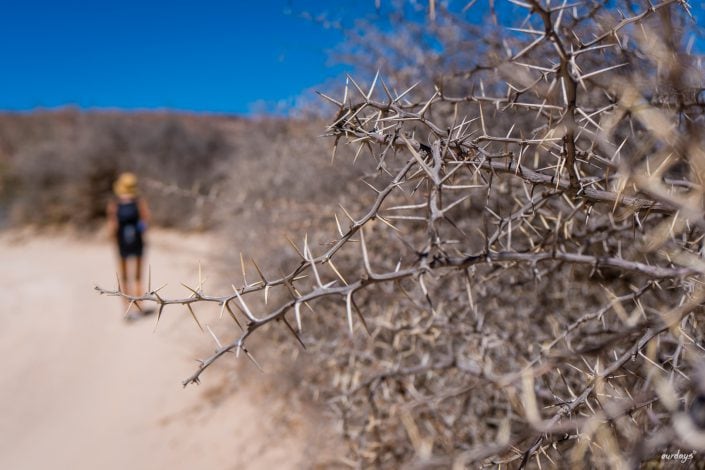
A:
{"x":82,"y":388}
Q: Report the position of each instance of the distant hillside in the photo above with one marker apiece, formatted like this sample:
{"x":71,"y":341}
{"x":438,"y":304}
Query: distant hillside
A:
{"x":57,"y":167}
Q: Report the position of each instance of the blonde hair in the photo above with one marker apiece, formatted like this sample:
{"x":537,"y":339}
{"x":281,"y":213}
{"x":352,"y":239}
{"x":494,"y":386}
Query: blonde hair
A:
{"x":126,"y":185}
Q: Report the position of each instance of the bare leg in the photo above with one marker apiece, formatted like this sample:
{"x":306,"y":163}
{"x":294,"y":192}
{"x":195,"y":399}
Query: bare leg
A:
{"x":124,"y":283}
{"x":138,"y":277}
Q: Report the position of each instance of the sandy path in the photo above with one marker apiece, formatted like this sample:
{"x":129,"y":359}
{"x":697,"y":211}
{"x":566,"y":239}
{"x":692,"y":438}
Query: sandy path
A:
{"x":82,"y":389}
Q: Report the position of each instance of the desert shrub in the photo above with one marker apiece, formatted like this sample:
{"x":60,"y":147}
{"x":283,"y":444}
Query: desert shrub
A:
{"x":521,"y":276}
{"x":59,"y":166}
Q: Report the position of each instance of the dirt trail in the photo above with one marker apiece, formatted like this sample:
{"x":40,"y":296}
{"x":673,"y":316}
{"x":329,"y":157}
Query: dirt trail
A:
{"x":83,"y":389}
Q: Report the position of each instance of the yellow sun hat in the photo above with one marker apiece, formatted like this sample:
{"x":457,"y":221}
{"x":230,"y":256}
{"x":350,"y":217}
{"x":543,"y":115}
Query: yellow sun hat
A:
{"x":126,"y":185}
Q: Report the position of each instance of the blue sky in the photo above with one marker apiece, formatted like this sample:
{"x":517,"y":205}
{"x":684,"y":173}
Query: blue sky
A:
{"x":222,"y":56}
{"x":215,"y":56}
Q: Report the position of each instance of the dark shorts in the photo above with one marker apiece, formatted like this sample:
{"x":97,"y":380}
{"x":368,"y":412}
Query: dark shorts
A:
{"x":130,"y":243}
{"x":127,"y":251}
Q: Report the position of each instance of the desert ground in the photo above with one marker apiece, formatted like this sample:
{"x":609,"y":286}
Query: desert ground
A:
{"x":84,"y":389}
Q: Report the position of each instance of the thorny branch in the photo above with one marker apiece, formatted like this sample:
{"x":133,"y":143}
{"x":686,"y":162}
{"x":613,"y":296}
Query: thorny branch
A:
{"x":514,"y":199}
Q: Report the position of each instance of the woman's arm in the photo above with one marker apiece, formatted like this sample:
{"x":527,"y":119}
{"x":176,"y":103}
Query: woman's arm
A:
{"x":145,"y":214}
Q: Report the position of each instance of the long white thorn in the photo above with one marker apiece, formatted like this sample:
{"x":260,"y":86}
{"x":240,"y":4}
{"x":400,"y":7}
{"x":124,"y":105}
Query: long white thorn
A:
{"x":372,"y":87}
{"x":365,"y":256}
{"x":348,"y":308}
{"x":215,"y":338}
{"x":297,"y":314}
{"x":245,"y":308}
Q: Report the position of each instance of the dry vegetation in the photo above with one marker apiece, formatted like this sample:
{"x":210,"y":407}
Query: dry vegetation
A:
{"x":58,"y":167}
{"x":520,"y":269}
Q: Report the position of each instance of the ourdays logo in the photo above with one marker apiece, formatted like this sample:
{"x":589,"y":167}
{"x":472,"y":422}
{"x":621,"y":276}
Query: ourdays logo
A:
{"x":678,"y":456}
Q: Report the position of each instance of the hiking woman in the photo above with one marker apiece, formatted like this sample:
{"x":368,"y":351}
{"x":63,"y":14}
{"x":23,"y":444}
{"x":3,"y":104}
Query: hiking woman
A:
{"x":128,"y":218}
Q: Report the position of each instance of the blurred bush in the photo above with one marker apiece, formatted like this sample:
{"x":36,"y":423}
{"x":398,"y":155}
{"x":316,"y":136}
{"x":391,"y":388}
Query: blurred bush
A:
{"x":58,"y":167}
{"x":525,"y":254}
{"x":196,"y":171}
